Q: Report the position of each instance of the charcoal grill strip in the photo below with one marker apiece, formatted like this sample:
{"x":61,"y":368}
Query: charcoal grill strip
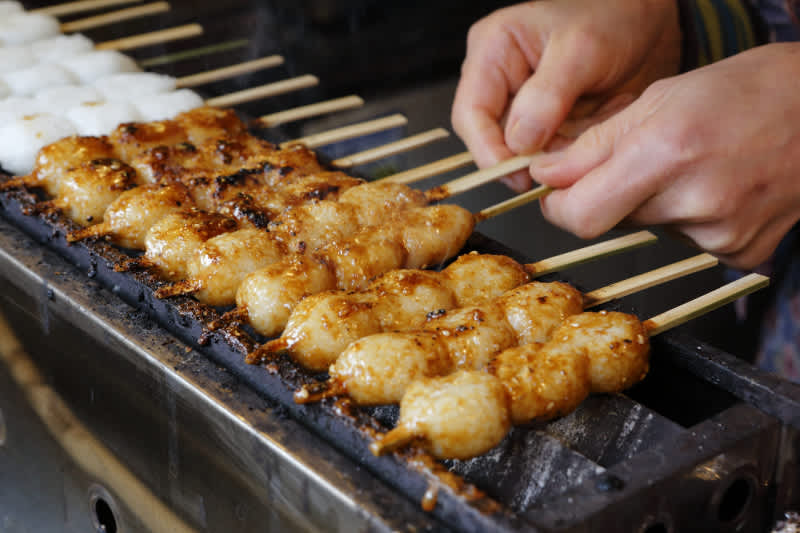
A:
{"x":609,"y":429}
{"x":773,"y":395}
{"x":527,"y":466}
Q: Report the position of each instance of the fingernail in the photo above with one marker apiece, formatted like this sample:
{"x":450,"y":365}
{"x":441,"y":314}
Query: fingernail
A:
{"x":525,"y":136}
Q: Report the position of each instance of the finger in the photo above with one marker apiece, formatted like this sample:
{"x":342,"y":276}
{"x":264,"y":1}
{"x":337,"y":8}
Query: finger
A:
{"x":494,"y":68}
{"x":563,"y":168}
{"x":606,"y":192}
{"x":574,"y":127}
{"x":746,"y":250}
{"x":518,"y":181}
{"x":545,"y":100}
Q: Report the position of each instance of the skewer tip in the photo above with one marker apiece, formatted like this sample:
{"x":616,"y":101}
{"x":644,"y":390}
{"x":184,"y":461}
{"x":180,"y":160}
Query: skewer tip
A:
{"x":179,"y":288}
{"x":266,"y":351}
{"x":17,"y":182}
{"x":239,"y":314}
{"x":315,"y":392}
{"x":134,"y":263}
{"x":97,"y":230}
{"x":394,"y":439}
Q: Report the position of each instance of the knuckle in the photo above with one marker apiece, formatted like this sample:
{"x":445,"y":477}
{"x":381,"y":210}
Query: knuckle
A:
{"x":594,"y":44}
{"x":674,"y":142}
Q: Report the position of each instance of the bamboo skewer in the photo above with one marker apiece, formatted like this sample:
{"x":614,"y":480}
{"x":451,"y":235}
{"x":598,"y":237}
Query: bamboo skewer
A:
{"x":349,"y":132}
{"x":397,"y":147}
{"x":431,"y":169}
{"x":72,"y":8}
{"x":649,"y":279}
{"x":232,"y":71}
{"x":264,"y":91}
{"x":486,"y":175}
{"x":114,"y":17}
{"x":155,"y":37}
{"x":511,"y":203}
{"x":192,"y":53}
{"x":308,"y":111}
{"x":590,"y":253}
{"x":706,"y":303}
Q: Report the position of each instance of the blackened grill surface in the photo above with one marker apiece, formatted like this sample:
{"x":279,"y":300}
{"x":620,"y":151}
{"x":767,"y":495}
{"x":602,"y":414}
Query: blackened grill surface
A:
{"x":533,"y":466}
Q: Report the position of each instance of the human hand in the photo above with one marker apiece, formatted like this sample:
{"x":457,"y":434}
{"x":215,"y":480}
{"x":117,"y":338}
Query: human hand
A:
{"x":713,"y":154}
{"x":528,"y":64}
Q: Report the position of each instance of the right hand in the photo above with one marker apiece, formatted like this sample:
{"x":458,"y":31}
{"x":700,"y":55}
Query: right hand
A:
{"x":527,"y":66}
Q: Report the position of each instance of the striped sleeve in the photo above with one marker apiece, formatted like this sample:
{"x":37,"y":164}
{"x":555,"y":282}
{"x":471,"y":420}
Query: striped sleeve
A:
{"x":716,"y":29}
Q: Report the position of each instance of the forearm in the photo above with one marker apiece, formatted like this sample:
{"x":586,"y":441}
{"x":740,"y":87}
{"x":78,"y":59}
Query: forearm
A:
{"x":716,"y":29}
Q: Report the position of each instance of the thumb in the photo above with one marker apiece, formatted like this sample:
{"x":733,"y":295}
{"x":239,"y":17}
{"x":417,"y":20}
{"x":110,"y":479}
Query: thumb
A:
{"x":593,"y":148}
{"x":565,"y":72}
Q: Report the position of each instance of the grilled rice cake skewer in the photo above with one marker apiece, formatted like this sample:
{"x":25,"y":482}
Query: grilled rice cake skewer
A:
{"x":200,"y":171}
{"x":56,"y":159}
{"x":128,"y":218}
{"x":377,"y":369}
{"x":217,"y":268}
{"x":372,"y":369}
{"x":323,"y":325}
{"x":537,"y":381}
{"x":591,"y":352}
{"x":128,"y":140}
{"x":194,"y":127}
{"x":84,"y":192}
{"x":414,"y":238}
{"x":172,"y":240}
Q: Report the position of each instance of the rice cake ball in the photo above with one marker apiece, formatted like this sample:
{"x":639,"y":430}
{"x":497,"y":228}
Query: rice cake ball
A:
{"x":91,"y":66}
{"x":54,"y":49}
{"x":23,"y":28}
{"x":8,"y":7}
{"x":21,"y":139}
{"x":16,"y":107}
{"x":101,"y":118}
{"x":58,"y":99}
{"x":16,"y":58}
{"x":167,"y":105}
{"x":130,"y":85}
{"x":28,"y":81}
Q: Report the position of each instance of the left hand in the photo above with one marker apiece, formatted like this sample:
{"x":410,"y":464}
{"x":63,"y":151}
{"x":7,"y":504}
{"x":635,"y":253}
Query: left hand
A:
{"x":714,"y":154}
